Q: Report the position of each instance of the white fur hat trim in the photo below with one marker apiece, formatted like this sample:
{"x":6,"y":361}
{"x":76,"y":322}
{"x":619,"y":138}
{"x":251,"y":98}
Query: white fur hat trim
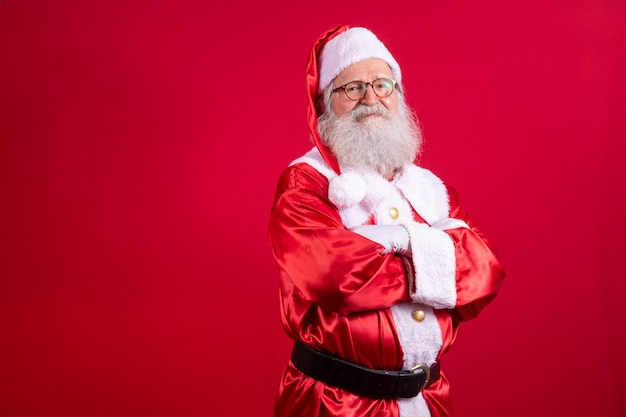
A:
{"x":347,"y":190}
{"x":352,"y":46}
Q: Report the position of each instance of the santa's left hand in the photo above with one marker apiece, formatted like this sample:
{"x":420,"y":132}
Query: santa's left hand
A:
{"x":393,"y":237}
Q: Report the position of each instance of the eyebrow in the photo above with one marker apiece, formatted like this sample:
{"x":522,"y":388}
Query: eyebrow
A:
{"x":376,"y":77}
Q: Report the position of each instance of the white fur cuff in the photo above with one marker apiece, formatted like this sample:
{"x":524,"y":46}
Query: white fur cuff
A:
{"x":434,"y":259}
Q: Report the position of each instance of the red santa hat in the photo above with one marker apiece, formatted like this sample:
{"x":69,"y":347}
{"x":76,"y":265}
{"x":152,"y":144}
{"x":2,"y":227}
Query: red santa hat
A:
{"x":349,"y":47}
{"x":334,"y":51}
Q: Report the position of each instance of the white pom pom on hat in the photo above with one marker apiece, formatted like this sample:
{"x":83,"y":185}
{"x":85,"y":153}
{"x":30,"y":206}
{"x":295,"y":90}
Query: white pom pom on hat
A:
{"x":349,"y":47}
{"x":347,"y":190}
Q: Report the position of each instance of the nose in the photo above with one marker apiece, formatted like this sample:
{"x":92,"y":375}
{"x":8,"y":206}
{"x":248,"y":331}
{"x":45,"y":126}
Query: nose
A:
{"x":370,"y":98}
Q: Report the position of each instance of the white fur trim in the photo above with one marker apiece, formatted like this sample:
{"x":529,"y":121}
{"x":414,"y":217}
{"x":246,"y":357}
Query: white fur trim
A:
{"x":415,"y":186}
{"x":347,"y":190}
{"x":354,"y":216}
{"x":425,"y":191}
{"x":413,"y":407}
{"x":434,"y":260}
{"x":421,"y":341}
{"x":314,"y":159}
{"x":352,"y":46}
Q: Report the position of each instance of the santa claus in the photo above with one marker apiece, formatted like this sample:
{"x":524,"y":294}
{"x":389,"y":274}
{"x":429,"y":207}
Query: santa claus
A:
{"x":378,"y":262}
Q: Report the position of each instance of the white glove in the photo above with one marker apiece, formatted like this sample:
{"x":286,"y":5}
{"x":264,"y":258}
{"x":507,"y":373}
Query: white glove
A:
{"x":393,"y":237}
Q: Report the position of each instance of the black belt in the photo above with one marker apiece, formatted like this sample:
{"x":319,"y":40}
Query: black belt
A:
{"x":361,"y":380}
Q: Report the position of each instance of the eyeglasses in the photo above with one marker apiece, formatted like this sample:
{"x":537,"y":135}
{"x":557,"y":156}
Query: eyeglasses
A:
{"x":356,"y":90}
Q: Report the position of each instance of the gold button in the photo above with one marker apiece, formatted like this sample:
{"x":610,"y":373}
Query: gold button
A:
{"x":394,"y":213}
{"x":418,"y":316}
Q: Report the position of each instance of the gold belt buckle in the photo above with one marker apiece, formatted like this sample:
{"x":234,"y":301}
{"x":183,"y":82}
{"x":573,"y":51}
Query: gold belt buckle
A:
{"x":426,"y":370}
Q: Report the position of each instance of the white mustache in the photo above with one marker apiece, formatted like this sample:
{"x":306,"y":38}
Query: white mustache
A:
{"x":377,"y":109}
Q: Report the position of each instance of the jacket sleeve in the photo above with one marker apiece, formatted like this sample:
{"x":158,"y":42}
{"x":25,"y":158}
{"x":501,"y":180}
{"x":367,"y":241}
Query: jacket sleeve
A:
{"x":456,"y":265}
{"x":327,"y":264}
{"x":479,"y":272}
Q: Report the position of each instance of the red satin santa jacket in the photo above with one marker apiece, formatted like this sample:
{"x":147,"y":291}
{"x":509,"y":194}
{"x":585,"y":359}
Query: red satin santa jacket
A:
{"x":340,"y":295}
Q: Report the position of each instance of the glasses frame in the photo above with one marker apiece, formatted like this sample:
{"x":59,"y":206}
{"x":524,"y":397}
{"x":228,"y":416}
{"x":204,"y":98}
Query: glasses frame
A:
{"x":371,"y":83}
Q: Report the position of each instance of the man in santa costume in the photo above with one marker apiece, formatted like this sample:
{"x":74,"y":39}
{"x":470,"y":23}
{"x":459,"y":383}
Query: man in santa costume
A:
{"x":378,"y":261}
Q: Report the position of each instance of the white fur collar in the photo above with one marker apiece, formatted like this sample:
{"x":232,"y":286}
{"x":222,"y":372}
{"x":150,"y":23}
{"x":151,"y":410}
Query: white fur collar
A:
{"x":357,"y":193}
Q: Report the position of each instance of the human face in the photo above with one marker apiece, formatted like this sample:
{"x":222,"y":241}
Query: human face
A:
{"x":367,"y":71}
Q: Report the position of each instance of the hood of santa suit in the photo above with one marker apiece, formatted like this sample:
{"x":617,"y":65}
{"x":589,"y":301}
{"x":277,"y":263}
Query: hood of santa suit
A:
{"x":334,"y":51}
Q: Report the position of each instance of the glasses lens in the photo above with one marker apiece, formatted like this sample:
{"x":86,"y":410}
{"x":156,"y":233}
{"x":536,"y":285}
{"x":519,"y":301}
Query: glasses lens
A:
{"x":355,"y":90}
{"x":383,"y":87}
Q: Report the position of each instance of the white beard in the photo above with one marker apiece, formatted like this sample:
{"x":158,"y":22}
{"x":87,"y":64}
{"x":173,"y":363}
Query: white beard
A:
{"x":383,"y":143}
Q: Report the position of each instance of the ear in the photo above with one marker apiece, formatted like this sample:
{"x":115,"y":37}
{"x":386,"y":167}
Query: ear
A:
{"x":320,"y":105}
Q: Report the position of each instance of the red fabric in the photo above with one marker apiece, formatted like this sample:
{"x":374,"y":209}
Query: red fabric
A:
{"x":479,"y":273}
{"x":312,"y":81}
{"x":336,"y":293}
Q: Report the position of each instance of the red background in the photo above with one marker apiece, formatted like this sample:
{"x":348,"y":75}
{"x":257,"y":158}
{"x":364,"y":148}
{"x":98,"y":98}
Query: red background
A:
{"x":140,"y":146}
